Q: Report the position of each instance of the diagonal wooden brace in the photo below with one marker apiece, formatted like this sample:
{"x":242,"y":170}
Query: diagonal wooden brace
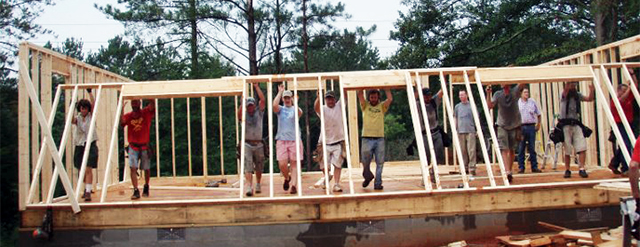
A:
{"x":49,"y":138}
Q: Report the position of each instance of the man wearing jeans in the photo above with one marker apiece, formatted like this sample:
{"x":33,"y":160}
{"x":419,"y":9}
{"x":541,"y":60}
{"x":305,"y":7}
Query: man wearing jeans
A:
{"x":373,"y":112}
{"x":626,"y":102}
{"x":530,"y":115}
{"x":466,"y":132}
{"x":138,"y":123}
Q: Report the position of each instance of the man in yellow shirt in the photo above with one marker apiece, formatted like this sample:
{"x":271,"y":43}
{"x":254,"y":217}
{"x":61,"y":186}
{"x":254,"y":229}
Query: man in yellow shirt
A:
{"x":373,"y":134}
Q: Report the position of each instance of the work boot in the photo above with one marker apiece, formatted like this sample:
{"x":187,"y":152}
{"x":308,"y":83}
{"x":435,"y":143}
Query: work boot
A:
{"x":510,"y":177}
{"x":567,"y":174}
{"x":613,"y":169}
{"x":293,"y":190}
{"x":521,"y":171}
{"x":145,"y":190}
{"x":249,"y":191}
{"x":583,"y":174}
{"x":378,"y":187}
{"x":87,"y":196}
{"x":536,"y":170}
{"x":367,"y":179}
{"x":136,"y":194}
{"x":285,"y":186}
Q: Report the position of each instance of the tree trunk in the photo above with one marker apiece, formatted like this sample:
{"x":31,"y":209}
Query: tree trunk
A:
{"x":193,"y":22}
{"x":305,"y":43}
{"x":253,"y":61}
{"x":278,"y":39}
{"x":605,"y":15}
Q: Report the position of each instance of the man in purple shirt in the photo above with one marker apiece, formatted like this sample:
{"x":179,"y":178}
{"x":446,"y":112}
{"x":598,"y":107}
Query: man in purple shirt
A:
{"x":530,"y":115}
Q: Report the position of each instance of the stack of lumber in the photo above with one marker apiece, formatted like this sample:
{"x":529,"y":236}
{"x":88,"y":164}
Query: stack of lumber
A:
{"x":600,"y":237}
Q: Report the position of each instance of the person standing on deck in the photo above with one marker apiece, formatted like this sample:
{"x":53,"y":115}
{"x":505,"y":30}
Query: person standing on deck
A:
{"x":253,"y":145}
{"x":530,"y":115}
{"x":571,"y":126}
{"x":466,"y":132}
{"x":626,"y":101}
{"x":286,"y":138}
{"x":334,"y":127}
{"x":373,"y":112}
{"x":138,"y":123}
{"x":509,"y":121}
{"x":80,"y":137}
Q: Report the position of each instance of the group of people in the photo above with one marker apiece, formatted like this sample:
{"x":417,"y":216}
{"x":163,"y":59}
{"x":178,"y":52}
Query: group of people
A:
{"x":516,"y":127}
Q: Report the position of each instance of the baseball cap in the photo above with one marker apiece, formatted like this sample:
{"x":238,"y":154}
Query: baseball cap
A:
{"x":426,"y":91}
{"x":287,"y":93}
{"x":330,"y":94}
{"x":251,"y":101}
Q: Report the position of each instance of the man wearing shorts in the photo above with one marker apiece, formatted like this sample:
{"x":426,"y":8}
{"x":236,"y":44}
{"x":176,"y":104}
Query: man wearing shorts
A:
{"x":466,"y":132}
{"x":373,"y":112}
{"x":138,"y":122}
{"x":82,"y":121}
{"x":334,"y":128}
{"x":253,"y":146}
{"x":572,"y":126}
{"x":286,"y":139}
{"x":508,"y":123}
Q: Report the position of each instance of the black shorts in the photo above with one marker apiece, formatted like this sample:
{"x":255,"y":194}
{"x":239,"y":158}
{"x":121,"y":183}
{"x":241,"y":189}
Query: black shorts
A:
{"x":92,"y":162}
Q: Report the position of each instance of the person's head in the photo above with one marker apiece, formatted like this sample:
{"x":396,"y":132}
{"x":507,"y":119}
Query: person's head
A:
{"x":571,"y":86}
{"x":426,"y":94}
{"x":463,"y":96}
{"x":251,"y":105}
{"x":84,"y":107}
{"x":525,"y":94}
{"x":286,"y":98}
{"x":374,"y":97}
{"x":135,"y":104}
{"x":330,"y":99}
{"x":621,"y":89}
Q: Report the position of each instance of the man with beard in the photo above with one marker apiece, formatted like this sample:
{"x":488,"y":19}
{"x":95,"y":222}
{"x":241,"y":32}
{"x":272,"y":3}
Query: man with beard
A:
{"x":138,"y":122}
{"x":373,"y":112}
{"x":334,"y":128}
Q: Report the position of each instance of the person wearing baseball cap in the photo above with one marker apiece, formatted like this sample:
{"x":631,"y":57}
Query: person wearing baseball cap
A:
{"x":334,"y":129}
{"x":253,"y":146}
{"x":286,"y":138}
{"x":373,"y":112}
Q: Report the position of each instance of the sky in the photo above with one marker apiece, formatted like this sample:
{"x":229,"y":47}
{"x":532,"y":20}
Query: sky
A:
{"x":81,"y":20}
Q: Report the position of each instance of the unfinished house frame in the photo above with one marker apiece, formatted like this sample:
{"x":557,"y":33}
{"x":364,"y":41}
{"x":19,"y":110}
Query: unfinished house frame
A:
{"x":604,"y":67}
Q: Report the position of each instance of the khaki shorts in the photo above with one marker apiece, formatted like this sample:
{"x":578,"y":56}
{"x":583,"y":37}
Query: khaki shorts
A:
{"x":253,"y":158}
{"x":573,"y":137}
{"x":508,"y":139}
{"x":334,"y":155}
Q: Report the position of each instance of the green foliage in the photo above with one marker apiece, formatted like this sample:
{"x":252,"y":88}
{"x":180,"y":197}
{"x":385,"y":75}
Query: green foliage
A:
{"x":393,"y":129}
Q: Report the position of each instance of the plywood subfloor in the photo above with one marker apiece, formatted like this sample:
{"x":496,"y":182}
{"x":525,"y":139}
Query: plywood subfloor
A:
{"x":395,"y":178}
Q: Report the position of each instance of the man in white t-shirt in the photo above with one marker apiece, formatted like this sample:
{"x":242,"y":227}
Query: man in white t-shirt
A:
{"x":333,"y":125}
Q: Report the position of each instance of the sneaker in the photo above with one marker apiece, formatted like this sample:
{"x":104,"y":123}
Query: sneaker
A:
{"x":145,"y":190}
{"x":293,"y":190}
{"x":249,"y":191}
{"x":583,"y":174}
{"x":510,"y":177}
{"x":378,"y":187}
{"x":84,"y":195}
{"x":87,"y":196}
{"x":285,"y":186}
{"x":258,"y":189}
{"x":613,"y":169}
{"x":136,"y":194}
{"x":367,"y":180}
{"x":521,"y":171}
{"x":336,"y":188}
{"x":567,"y":174}
{"x":536,"y":170}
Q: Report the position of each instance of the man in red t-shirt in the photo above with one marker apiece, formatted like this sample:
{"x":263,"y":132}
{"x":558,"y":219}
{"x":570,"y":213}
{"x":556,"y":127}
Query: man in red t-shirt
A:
{"x":138,"y":123}
{"x":626,"y":102}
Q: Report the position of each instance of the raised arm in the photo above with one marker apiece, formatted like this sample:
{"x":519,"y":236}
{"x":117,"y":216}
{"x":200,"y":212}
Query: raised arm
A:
{"x":489,"y":99}
{"x":316,"y":104}
{"x":276,"y":101}
{"x":91,"y":99}
{"x":389,"y":99}
{"x":262,"y":102}
{"x":592,"y":94}
{"x":123,"y":121}
{"x":625,"y":94}
{"x":239,"y":111}
{"x":361,"y":98}
{"x":439,"y":94}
